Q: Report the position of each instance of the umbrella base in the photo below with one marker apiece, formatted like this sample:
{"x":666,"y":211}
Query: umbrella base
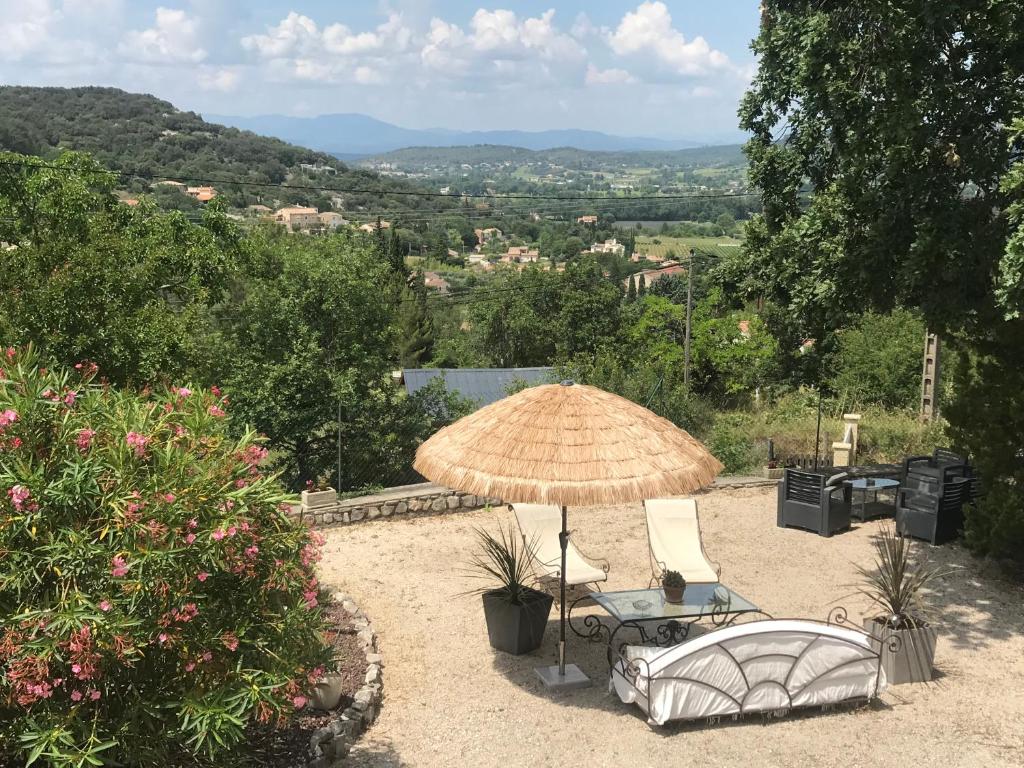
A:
{"x":573,"y":678}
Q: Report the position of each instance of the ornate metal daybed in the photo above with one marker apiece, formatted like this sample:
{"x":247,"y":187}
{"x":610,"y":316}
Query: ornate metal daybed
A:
{"x":768,"y":666}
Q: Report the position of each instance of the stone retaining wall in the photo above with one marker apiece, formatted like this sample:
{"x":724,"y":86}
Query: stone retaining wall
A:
{"x":423,"y":499}
{"x":324,"y":508}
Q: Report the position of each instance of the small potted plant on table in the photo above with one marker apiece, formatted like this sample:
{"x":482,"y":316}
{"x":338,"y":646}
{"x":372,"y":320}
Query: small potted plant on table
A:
{"x":516,"y":613}
{"x":673,"y":584}
{"x":894,"y":585}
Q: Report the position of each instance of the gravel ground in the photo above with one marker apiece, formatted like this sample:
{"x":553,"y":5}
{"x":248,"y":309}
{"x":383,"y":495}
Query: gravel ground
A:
{"x":450,"y":700}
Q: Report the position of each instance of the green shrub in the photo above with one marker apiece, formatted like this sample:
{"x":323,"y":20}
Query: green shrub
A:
{"x":155,"y":597}
{"x":994,"y":525}
{"x":732,"y":443}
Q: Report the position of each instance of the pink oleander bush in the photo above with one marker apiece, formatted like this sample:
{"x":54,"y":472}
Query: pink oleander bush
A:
{"x":155,"y":598}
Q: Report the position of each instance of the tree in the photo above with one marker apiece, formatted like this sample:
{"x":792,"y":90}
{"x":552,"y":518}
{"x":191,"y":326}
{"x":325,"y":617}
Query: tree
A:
{"x":308,"y":331}
{"x":878,"y":360}
{"x":415,"y":329}
{"x":90,"y":278}
{"x":641,"y":287}
{"x":631,"y":290}
{"x":891,"y":120}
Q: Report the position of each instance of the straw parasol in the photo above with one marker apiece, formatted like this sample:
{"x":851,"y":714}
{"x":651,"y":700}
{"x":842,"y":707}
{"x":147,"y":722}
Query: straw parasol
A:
{"x":566,"y":444}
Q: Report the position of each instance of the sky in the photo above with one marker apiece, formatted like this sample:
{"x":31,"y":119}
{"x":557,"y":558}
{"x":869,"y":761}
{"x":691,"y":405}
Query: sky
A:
{"x":671,"y":68}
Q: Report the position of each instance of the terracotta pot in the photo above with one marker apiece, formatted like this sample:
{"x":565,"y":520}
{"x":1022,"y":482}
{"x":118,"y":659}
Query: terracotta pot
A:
{"x":327,"y":692}
{"x":912,"y":662}
{"x":673,"y":594}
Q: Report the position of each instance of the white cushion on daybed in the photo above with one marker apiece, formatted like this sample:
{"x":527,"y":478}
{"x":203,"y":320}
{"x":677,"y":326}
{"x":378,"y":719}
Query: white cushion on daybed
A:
{"x":756,"y":667}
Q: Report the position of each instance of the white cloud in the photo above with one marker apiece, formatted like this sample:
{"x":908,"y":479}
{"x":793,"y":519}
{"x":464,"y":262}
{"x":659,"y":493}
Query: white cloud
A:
{"x":648,"y":32}
{"x":499,"y":44}
{"x":174,"y":39}
{"x":25,"y":27}
{"x":223,"y":79}
{"x":298,"y":48}
{"x":611,"y":76}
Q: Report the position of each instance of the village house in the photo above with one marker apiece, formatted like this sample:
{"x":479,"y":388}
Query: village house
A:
{"x":484,"y":236}
{"x":612,"y":246}
{"x":588,"y":219}
{"x":296,"y":219}
{"x":652,"y":276}
{"x":654,"y":258}
{"x":520,"y":255}
{"x":259,"y":210}
{"x":331,"y":221}
{"x":202,"y":194}
{"x":435,"y":282}
{"x":371,"y":228}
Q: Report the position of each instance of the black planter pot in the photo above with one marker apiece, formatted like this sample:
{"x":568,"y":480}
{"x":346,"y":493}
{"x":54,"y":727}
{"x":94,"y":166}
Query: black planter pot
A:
{"x":516,"y":629}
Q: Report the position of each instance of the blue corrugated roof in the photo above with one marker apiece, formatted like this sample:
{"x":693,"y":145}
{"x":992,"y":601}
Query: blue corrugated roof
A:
{"x":484,"y":385}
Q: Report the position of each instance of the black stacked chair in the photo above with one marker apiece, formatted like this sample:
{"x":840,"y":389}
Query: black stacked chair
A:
{"x":932,"y":493}
{"x":809,"y":500}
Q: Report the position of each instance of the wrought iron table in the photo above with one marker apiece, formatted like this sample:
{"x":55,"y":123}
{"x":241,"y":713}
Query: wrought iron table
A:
{"x":657,"y":620}
{"x":866,"y":485}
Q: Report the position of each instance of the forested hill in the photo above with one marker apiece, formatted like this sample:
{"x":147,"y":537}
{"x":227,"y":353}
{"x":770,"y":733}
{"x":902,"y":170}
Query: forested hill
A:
{"x":144,"y":135}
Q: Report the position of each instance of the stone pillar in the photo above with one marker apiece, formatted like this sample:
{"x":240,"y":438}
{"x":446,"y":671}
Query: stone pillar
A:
{"x":851,"y":432}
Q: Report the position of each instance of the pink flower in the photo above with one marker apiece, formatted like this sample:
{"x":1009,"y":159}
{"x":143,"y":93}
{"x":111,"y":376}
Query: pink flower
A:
{"x":8,"y":417}
{"x":137,"y":442}
{"x":10,"y":353}
{"x":190,"y":666}
{"x":69,"y":399}
{"x":216,"y":411}
{"x":76,"y":695}
{"x":120,"y":567}
{"x":215,"y":391}
{"x":76,"y":668}
{"x":202,"y":576}
{"x":94,"y":695}
{"x":193,"y":524}
{"x":190,"y":538}
{"x":19,"y":494}
{"x":217,"y":535}
{"x":162,"y":637}
{"x":241,"y":483}
{"x":232,"y":531}
{"x":207,"y":656}
{"x":105,"y":605}
{"x":309,"y":596}
{"x":230,"y":641}
{"x":184,"y":391}
{"x":299,"y":702}
{"x":169,"y":498}
{"x":84,"y":439}
{"x":252,"y":551}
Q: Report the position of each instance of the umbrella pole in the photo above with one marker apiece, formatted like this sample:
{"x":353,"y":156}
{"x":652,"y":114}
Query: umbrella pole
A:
{"x":563,"y":540}
{"x":562,"y":676}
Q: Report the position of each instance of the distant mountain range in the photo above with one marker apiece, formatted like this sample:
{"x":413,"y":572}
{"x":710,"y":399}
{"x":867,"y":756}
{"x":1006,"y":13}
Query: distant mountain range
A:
{"x":348,"y":135}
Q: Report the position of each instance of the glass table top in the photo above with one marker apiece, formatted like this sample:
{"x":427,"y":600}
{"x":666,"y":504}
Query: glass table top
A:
{"x":698,"y":600}
{"x":863,"y":484}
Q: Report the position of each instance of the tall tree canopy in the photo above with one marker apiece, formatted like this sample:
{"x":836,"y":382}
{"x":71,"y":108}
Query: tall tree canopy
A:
{"x":881,"y":146}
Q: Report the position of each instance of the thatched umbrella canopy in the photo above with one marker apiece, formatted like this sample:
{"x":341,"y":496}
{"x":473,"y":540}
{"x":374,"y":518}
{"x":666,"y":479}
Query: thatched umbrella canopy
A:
{"x":566,"y":444}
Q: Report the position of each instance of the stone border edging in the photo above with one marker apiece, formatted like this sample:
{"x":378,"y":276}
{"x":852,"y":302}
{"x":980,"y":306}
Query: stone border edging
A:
{"x":330,"y":744}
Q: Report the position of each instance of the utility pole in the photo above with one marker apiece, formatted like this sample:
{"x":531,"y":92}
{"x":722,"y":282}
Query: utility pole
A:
{"x":689,"y":312}
{"x":931,"y":370}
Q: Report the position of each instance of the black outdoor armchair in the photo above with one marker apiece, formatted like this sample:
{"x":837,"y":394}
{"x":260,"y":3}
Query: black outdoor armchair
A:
{"x":814,"y":501}
{"x":936,"y":518}
{"x":928,"y":474}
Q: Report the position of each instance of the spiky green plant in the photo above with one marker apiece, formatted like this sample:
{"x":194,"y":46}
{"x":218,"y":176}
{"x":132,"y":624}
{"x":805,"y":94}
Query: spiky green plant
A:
{"x":896,"y":581}
{"x":504,"y":562}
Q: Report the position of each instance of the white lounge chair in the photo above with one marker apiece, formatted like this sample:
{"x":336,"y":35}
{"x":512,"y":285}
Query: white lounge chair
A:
{"x":540,"y":526}
{"x":763,"y":666}
{"x":675,"y":544}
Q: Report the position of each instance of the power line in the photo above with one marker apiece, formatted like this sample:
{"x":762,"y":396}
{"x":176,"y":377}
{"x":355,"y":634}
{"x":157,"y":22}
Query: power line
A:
{"x":359,"y":191}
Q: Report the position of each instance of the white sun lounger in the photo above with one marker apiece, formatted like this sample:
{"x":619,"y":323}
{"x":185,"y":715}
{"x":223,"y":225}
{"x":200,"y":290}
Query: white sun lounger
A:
{"x":540,"y":526}
{"x":673,"y":534}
